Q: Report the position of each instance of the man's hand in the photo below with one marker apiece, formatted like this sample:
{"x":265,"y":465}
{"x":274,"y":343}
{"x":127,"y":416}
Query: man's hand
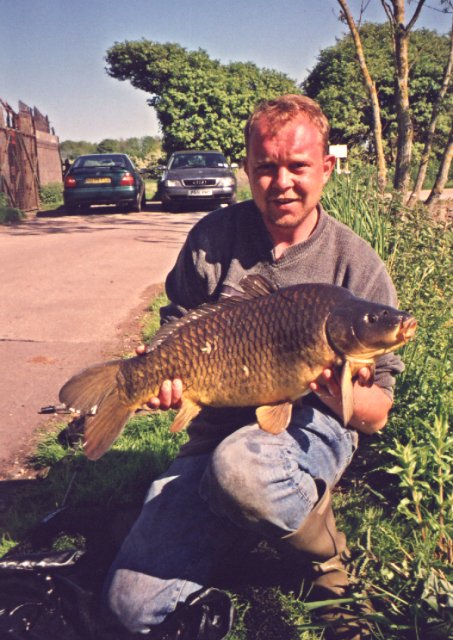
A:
{"x":371,"y":404}
{"x":328,"y":383}
{"x":170,"y":393}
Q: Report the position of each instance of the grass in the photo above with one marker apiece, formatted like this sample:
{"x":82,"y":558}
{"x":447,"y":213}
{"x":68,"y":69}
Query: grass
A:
{"x":394,"y":503}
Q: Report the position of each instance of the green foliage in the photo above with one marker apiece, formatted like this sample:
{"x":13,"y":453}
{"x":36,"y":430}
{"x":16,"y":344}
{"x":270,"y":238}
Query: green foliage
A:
{"x":9,"y":215}
{"x":142,"y":151}
{"x":407,"y":532}
{"x":51,"y":195}
{"x":352,"y":200}
{"x":336,"y":82}
{"x":200,"y":103}
{"x":70,"y":149}
{"x":425,"y":477}
{"x":394,"y":503}
{"x":153,"y":320}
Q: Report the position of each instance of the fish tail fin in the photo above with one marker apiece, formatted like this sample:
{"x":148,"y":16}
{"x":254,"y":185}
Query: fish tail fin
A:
{"x":95,"y":393}
{"x":102,"y":429}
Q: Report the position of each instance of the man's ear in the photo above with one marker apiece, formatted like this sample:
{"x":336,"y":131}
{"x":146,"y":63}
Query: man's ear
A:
{"x":329,"y":164}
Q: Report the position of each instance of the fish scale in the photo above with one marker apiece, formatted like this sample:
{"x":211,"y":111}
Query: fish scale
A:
{"x":262,"y":350}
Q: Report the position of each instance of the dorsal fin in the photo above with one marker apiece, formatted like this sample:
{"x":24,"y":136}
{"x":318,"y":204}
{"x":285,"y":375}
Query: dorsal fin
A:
{"x":255,"y":286}
{"x":192,"y":315}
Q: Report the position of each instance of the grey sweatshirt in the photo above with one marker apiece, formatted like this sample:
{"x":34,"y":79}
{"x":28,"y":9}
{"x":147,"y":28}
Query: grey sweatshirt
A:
{"x":230,"y":243}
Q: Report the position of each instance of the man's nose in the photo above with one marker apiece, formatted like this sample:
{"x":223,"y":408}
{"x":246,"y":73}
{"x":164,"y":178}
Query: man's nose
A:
{"x":283,"y":178}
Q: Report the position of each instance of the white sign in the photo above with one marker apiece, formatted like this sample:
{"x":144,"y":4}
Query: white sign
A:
{"x":338,"y":150}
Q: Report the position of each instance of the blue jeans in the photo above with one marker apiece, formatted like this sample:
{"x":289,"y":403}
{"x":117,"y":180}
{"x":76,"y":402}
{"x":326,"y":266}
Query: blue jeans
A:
{"x":253,"y":484}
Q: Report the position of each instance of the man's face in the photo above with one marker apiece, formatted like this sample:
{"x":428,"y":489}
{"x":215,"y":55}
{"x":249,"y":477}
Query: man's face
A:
{"x":287,"y":172}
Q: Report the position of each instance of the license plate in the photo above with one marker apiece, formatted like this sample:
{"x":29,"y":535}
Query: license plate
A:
{"x":200,"y":192}
{"x":98,"y":180}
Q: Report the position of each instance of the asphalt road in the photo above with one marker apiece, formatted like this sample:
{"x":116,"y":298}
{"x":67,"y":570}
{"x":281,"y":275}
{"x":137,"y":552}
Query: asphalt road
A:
{"x":72,"y":289}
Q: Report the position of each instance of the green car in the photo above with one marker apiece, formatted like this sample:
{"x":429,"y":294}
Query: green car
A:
{"x":103,"y":178}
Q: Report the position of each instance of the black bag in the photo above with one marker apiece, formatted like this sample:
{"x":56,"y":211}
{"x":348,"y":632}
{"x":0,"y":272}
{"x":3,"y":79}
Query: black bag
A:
{"x":37,"y":601}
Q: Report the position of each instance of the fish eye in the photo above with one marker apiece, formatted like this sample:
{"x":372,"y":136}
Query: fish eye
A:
{"x":371,"y":318}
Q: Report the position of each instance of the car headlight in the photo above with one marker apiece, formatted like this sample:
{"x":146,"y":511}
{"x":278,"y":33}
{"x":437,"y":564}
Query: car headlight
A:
{"x":172,"y":183}
{"x":226,"y":182}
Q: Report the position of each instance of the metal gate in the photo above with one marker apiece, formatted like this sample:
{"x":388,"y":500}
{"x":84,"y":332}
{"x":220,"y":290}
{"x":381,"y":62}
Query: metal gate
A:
{"x":20,"y":155}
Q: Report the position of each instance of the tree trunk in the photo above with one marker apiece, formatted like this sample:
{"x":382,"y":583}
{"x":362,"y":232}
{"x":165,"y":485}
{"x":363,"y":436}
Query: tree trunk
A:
{"x":371,"y":88}
{"x":432,"y":127}
{"x":442,"y":174}
{"x":395,"y":11}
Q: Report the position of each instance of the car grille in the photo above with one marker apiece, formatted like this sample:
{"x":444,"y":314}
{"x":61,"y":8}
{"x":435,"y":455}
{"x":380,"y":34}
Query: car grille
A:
{"x":200,"y":182}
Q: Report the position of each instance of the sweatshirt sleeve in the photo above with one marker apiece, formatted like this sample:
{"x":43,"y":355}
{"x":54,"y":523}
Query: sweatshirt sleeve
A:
{"x":184,"y":285}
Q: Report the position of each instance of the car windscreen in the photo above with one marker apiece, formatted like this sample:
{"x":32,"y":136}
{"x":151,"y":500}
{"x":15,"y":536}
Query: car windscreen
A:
{"x":105,"y":162}
{"x":191,"y":160}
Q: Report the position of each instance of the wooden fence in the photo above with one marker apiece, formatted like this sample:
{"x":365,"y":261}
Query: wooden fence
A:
{"x":29,"y":155}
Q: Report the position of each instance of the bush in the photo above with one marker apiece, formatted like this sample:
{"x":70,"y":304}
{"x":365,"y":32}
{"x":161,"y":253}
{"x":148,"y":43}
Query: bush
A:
{"x":9,"y":215}
{"x":405,"y":485}
{"x":51,"y":195}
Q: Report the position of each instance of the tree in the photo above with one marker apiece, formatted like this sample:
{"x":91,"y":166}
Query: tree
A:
{"x":371,"y":88}
{"x":70,"y":149}
{"x":108,"y":145}
{"x":442,"y":174}
{"x":395,"y":10}
{"x":437,"y":106}
{"x":141,"y":150}
{"x":337,"y":85}
{"x":400,"y":30}
{"x":199,"y":102}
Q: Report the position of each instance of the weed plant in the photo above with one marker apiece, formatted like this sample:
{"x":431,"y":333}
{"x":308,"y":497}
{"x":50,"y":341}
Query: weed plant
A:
{"x":405,"y":531}
{"x":9,"y":215}
{"x":51,"y":195}
{"x":394,"y":503}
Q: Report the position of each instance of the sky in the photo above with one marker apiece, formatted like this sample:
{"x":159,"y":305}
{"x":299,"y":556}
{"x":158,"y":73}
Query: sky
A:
{"x":52,"y":52}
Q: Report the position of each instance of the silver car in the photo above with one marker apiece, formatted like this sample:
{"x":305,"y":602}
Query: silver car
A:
{"x":197,"y":178}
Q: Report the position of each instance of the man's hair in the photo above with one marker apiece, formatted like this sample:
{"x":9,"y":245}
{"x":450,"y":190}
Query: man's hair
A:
{"x":279,"y":111}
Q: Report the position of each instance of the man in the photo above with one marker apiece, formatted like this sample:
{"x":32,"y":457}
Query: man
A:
{"x":232,"y":481}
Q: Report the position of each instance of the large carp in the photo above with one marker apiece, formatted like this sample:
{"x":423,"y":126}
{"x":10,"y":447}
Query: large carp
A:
{"x":261,"y":350}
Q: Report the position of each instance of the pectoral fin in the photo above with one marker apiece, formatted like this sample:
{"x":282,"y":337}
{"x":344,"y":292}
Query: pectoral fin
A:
{"x":189,"y":410}
{"x":274,"y":418}
{"x":347,"y":396}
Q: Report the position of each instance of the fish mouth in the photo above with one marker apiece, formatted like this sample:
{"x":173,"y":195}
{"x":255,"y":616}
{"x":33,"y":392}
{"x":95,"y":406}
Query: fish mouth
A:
{"x":407,"y":329}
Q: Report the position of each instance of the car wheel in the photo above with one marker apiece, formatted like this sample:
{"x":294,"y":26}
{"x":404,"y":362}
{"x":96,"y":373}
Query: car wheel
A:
{"x":137,"y":206}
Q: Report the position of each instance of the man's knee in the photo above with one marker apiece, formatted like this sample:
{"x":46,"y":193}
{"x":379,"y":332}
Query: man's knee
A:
{"x":254,"y":481}
{"x":233,"y":475}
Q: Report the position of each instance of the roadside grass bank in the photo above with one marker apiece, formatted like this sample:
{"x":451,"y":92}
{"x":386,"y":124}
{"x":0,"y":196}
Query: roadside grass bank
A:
{"x":394,"y":503}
